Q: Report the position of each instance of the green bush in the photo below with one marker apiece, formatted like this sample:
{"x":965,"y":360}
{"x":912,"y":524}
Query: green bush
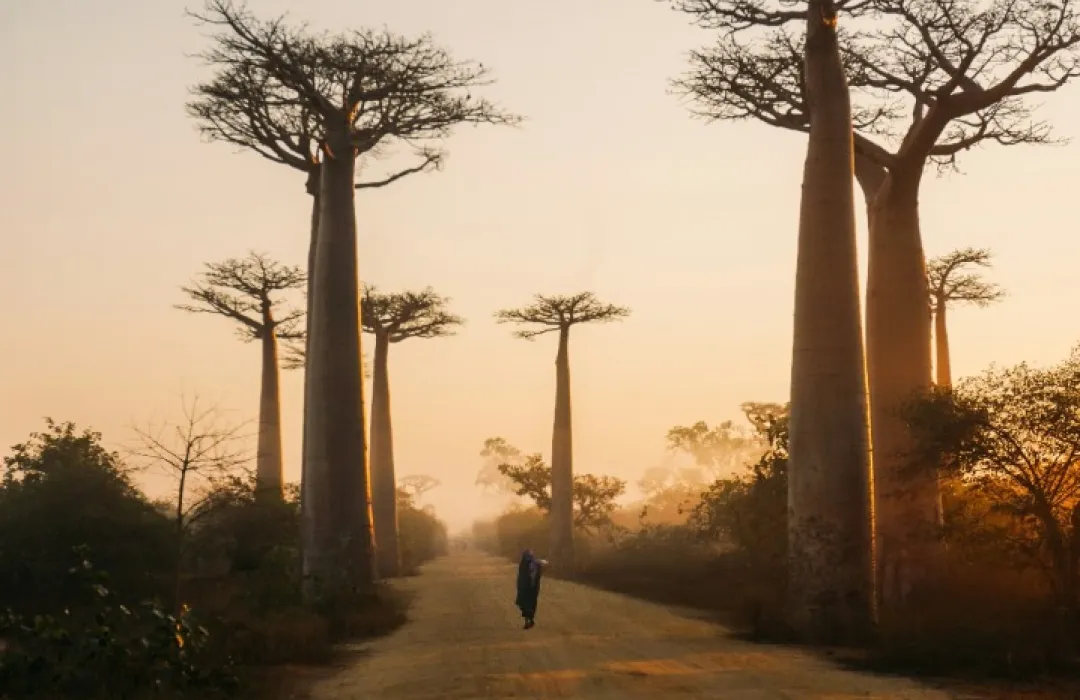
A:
{"x":109,"y":651}
{"x":60,"y":490}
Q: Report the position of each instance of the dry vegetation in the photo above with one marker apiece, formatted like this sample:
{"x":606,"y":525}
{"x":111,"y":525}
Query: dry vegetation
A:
{"x":1005,"y":608}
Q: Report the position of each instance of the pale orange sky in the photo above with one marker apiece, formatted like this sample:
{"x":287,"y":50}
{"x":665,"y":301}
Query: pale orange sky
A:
{"x":110,"y":202}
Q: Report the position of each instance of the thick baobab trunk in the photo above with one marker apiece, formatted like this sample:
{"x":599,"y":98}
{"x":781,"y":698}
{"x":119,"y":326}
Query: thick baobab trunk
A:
{"x":829,"y":517}
{"x":268,"y":478}
{"x":383,"y":480}
{"x":312,"y":188}
{"x":942,"y":364}
{"x":870,"y":177}
{"x":907,"y":497}
{"x":336,"y":516}
{"x":562,"y":462}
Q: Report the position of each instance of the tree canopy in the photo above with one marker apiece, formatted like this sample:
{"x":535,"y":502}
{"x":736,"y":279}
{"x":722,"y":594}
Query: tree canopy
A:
{"x":928,"y":78}
{"x":278,"y":90}
{"x":558,"y":312}
{"x":497,"y":451}
{"x":593,"y":496}
{"x":245,"y":290}
{"x":403,"y":315}
{"x":1013,"y":434}
{"x":951,"y":284}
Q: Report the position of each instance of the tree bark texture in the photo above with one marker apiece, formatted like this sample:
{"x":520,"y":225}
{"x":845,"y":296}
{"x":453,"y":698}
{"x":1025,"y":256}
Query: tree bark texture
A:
{"x":337,"y":522}
{"x":942,"y":362}
{"x":907,"y":496}
{"x":562,"y":462}
{"x":829,"y":482}
{"x":268,"y":464}
{"x":383,"y":479}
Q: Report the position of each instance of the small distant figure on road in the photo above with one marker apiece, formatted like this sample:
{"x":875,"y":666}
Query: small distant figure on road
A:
{"x":530,"y":571}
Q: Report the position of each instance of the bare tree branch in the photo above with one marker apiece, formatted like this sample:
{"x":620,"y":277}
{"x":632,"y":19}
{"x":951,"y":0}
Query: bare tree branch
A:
{"x":196,"y":452}
{"x":553,"y":313}
{"x":244,"y":290}
{"x":279,"y":90}
{"x":930,"y":79}
{"x":405,"y":315}
{"x":430,"y":160}
{"x":950,"y":285}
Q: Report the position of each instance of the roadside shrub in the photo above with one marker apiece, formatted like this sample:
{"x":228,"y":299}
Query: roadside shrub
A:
{"x":62,"y":489}
{"x":421,"y":535}
{"x":108,"y":650}
{"x":521,"y":529}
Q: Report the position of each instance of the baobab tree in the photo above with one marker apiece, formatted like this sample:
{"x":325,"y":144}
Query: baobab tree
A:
{"x":558,"y":314}
{"x":246,"y":291}
{"x":830,"y":545}
{"x":951,"y":285}
{"x":325,"y":104}
{"x":393,"y":318}
{"x":930,"y":80}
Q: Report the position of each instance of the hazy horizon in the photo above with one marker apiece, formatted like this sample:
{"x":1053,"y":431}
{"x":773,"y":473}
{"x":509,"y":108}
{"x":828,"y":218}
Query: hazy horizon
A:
{"x":115,"y":202}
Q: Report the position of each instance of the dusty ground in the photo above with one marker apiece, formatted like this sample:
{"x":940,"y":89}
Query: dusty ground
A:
{"x":464,"y":640}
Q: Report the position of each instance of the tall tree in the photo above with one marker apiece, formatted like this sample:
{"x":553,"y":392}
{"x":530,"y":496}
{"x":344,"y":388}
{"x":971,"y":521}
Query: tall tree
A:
{"x":931,"y":80}
{"x":245,"y":291}
{"x":393,"y":318}
{"x":324,"y":104}
{"x":830,"y":545}
{"x":951,"y":285}
{"x":551,"y":314}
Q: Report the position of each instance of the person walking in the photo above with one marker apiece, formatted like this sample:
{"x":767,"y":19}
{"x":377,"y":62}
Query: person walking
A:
{"x":530,"y":571}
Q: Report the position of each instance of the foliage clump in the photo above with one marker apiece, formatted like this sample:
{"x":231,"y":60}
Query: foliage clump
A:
{"x":104,"y":650}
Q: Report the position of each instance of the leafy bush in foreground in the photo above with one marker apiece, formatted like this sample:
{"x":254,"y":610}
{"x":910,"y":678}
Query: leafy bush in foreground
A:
{"x":109,"y":651}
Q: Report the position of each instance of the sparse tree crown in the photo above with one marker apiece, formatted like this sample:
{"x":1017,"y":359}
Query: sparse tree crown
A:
{"x":927,"y":77}
{"x":404,"y":315}
{"x":281,"y":91}
{"x":950,"y":284}
{"x":555,"y":313}
{"x":245,"y":290}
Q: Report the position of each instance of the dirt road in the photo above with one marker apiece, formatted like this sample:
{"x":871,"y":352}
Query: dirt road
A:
{"x":464,"y":640}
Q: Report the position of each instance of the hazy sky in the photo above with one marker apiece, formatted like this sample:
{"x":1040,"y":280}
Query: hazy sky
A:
{"x":110,"y":201}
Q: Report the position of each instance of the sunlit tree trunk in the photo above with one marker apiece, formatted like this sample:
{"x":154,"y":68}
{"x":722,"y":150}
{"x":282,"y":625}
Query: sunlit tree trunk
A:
{"x":338,"y":548}
{"x":562,"y":462}
{"x":383,"y":480}
{"x":829,"y":518}
{"x":907,"y":498}
{"x":942,"y":363}
{"x":268,"y":467}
